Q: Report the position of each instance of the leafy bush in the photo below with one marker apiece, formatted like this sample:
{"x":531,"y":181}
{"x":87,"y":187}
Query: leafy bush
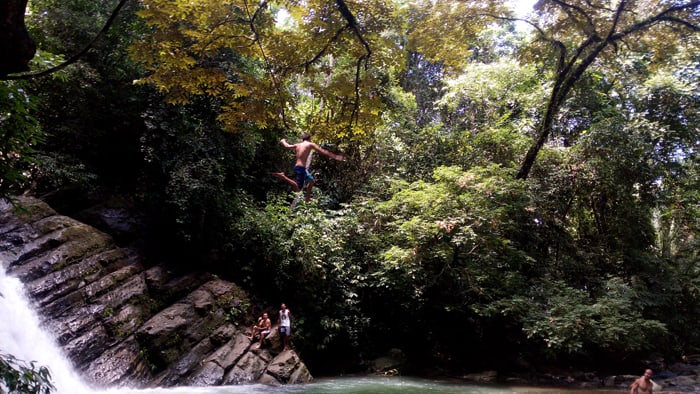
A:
{"x":22,"y":378}
{"x":571,"y":320}
{"x":20,"y":133}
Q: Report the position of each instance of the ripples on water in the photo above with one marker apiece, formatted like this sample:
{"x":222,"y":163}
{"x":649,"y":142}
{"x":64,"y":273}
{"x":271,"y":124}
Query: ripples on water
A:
{"x":365,"y":385}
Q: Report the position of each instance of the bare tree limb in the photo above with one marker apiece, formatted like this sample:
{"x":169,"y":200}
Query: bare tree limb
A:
{"x":352,"y":23}
{"x":589,"y":21}
{"x":350,"y":18}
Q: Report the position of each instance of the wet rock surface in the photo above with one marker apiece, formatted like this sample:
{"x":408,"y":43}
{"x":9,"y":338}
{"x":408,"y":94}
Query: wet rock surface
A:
{"x":122,"y":323}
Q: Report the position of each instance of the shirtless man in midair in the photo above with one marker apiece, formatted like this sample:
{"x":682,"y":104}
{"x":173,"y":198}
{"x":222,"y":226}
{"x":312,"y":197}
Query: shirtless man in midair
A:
{"x":301,"y":174}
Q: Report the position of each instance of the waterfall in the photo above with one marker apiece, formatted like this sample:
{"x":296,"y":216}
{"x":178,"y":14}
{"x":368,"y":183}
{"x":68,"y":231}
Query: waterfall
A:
{"x":22,"y":336}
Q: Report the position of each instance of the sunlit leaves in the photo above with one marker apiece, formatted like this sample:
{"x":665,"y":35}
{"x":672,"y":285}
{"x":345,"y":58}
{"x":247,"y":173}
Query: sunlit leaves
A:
{"x":493,"y":94}
{"x":300,"y":53}
{"x":444,"y":30}
{"x":266,"y":60}
{"x":185,"y":39}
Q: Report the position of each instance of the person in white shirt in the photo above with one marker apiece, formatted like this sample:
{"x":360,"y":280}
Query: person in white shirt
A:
{"x":285,"y":321}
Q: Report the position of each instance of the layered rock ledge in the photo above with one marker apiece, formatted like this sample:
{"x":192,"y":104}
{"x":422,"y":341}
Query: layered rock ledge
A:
{"x":122,"y":323}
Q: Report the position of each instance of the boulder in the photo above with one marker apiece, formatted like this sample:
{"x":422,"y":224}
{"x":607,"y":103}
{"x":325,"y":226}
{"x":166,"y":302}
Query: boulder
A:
{"x":249,"y":368}
{"x":287,"y":368}
{"x":482,"y":377}
{"x":389,"y":364}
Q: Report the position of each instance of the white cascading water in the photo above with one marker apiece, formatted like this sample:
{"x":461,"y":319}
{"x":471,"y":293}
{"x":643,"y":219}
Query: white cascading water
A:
{"x":22,"y":337}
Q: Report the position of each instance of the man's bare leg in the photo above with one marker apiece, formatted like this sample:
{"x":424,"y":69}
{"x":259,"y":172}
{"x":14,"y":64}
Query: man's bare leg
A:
{"x":308,"y":190}
{"x":297,"y":198}
{"x":262,"y":339}
{"x":287,"y":179}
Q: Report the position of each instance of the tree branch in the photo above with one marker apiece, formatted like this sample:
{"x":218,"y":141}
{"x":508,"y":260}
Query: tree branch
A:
{"x":581,"y":11}
{"x":568,"y":76}
{"x":681,"y":22}
{"x":352,"y":23}
{"x":616,"y":19}
{"x":323,"y":50}
{"x":345,"y":11}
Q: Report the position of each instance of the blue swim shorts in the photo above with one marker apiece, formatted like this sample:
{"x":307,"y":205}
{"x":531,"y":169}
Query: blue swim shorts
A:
{"x":302,"y":176}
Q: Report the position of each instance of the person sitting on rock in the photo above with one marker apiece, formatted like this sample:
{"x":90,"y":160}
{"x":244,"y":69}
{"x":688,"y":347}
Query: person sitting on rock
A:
{"x":256,"y":328}
{"x":264,"y":329}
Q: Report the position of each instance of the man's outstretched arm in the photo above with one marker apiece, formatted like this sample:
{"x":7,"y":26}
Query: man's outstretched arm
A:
{"x":327,"y":153}
{"x":286,"y":144}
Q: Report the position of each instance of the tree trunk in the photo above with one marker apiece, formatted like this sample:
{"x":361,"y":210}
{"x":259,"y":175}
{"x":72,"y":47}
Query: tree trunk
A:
{"x":16,"y":45}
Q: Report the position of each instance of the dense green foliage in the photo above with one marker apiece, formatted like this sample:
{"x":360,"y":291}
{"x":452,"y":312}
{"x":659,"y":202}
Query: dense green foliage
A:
{"x":19,"y":377}
{"x":19,"y":136}
{"x":428,"y":238}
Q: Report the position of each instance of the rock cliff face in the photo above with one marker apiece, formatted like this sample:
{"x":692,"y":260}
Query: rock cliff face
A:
{"x":125,"y":324}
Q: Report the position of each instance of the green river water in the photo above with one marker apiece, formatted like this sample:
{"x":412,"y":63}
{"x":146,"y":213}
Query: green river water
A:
{"x":368,"y":385}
